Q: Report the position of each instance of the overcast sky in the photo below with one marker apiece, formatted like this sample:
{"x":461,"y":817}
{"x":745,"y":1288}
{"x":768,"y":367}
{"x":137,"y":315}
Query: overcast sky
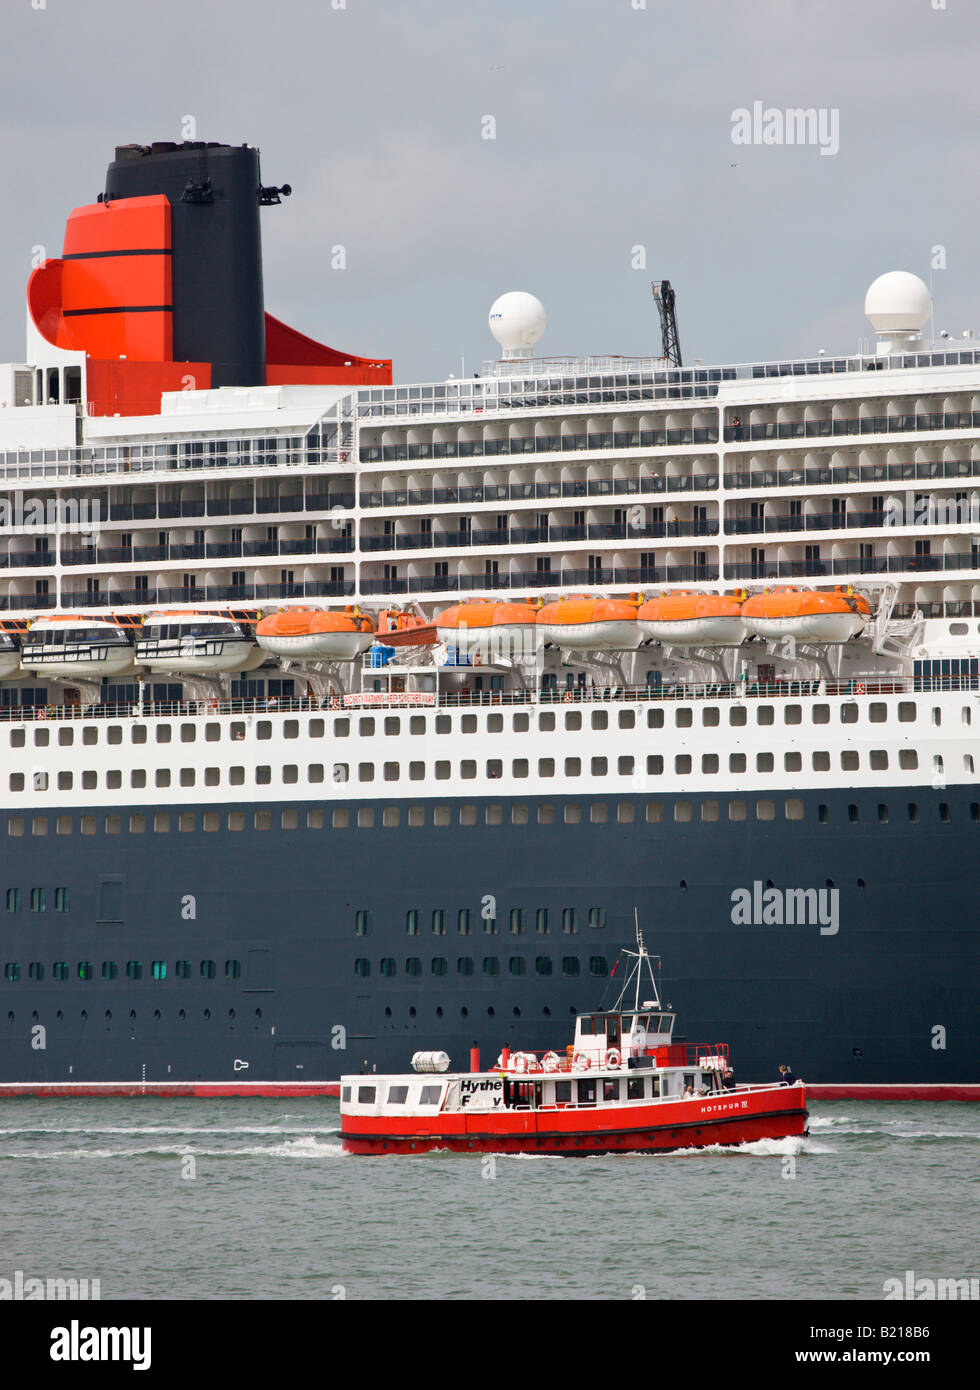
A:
{"x":613,"y":130}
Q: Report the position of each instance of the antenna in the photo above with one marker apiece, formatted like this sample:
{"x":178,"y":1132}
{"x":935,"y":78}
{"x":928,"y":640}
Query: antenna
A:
{"x":665,"y":299}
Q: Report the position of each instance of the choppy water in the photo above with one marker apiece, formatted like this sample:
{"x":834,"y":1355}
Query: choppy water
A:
{"x":94,"y":1188}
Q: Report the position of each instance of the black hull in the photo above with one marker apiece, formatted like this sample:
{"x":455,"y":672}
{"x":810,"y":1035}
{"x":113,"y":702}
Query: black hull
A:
{"x":860,"y":1006}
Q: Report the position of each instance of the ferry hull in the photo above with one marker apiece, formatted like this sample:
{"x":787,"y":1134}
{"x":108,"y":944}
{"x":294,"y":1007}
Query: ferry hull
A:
{"x":728,"y":1118}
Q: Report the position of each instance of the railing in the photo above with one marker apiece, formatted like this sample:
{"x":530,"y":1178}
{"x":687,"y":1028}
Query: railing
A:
{"x":859,"y":688}
{"x":175,"y":456}
{"x":855,"y":564}
{"x":869,"y":424}
{"x":839,"y":474}
{"x":537,"y":444}
{"x":526,"y":491}
{"x":533,"y":580}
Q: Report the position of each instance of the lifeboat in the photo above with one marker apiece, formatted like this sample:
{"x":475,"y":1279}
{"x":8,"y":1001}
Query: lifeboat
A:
{"x":584,"y":622}
{"x":81,"y":647}
{"x":312,"y":634}
{"x":812,"y":615}
{"x":185,"y":642}
{"x":401,"y":629}
{"x":471,"y":627}
{"x":693,"y":620}
{"x":11,"y":636}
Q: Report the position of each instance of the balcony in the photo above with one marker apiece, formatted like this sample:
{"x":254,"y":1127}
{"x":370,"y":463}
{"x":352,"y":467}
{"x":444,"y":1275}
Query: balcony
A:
{"x":838,"y":475}
{"x":540,"y":444}
{"x":772,"y":430}
{"x":524,"y":492}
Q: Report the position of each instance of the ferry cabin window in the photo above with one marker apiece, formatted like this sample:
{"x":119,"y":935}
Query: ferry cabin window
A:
{"x":397,"y":1095}
{"x":345,"y":1094}
{"x":610,"y":1089}
{"x":585,"y":1092}
{"x":563,"y":1092}
{"x":431,"y":1095}
{"x":366,"y":1095}
{"x":635,"y":1087}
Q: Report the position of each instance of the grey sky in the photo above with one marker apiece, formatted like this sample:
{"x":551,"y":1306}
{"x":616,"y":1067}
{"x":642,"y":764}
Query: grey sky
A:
{"x":613,"y":129}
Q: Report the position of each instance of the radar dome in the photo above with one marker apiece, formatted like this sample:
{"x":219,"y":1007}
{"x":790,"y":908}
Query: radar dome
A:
{"x":898,"y":303}
{"x":517,"y":320}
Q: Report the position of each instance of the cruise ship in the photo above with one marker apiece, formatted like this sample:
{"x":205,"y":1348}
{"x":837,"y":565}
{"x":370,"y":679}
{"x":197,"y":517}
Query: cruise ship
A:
{"x":341,"y":718}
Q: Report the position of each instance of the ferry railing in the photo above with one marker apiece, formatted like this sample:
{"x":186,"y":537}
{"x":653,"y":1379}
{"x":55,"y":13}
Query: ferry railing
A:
{"x":366,"y":702}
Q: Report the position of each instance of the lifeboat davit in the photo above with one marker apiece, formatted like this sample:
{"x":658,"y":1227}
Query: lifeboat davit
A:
{"x":812,"y":615}
{"x":509,"y":628}
{"x":311,"y":634}
{"x":584,"y":622}
{"x":685,"y":619}
{"x":76,"y":646}
{"x":185,"y":642}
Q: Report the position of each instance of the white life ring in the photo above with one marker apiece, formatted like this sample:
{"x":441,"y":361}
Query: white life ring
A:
{"x":613,"y":1059}
{"x":580,"y":1062}
{"x":520,"y":1060}
{"x":550,"y":1062}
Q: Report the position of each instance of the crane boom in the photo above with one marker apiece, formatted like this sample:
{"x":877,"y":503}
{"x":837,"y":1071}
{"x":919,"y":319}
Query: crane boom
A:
{"x":665,"y":297}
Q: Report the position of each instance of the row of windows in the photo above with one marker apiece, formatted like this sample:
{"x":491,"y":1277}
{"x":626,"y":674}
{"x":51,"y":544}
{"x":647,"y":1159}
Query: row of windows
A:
{"x":85,"y":970}
{"x":390,"y":817}
{"x":545,"y":721}
{"x":517,"y":921}
{"x":876,"y":760}
{"x":570,"y":966}
{"x":157,"y":1015}
{"x":39,"y":900}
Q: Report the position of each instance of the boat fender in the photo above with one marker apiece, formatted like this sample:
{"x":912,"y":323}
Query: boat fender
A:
{"x":581,"y":1062}
{"x":613,"y":1058}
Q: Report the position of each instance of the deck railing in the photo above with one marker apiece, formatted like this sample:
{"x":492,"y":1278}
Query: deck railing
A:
{"x":858,"y":688}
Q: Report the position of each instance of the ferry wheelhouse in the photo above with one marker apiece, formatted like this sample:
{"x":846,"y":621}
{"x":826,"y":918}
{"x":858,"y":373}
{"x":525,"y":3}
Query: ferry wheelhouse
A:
{"x":622,"y":1086}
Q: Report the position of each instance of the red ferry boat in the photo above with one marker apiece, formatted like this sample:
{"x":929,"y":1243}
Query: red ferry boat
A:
{"x":623,"y":1086}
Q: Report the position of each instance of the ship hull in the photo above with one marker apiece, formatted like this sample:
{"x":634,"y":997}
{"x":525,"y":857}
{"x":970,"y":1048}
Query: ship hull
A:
{"x":881,"y":994}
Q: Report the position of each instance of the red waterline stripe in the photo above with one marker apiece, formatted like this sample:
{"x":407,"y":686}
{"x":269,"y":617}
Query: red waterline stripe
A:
{"x":40,"y":1090}
{"x":849,"y":1090}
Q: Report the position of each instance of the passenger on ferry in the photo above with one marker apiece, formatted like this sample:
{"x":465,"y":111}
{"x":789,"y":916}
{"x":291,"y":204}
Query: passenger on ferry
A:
{"x":728,"y":1080}
{"x":786,"y":1076}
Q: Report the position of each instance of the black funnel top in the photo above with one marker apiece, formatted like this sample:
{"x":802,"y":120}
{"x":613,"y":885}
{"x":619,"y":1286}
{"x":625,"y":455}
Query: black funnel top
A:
{"x":218,"y":306}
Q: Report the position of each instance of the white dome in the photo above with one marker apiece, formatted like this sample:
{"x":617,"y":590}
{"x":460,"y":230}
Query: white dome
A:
{"x":517,"y":320}
{"x":898,"y":303}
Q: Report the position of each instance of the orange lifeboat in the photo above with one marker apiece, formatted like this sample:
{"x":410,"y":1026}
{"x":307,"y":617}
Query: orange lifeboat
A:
{"x":812,"y":615}
{"x":401,"y":629}
{"x":313,"y":634}
{"x":476,"y":626}
{"x":584,"y":622}
{"x":685,"y":619}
